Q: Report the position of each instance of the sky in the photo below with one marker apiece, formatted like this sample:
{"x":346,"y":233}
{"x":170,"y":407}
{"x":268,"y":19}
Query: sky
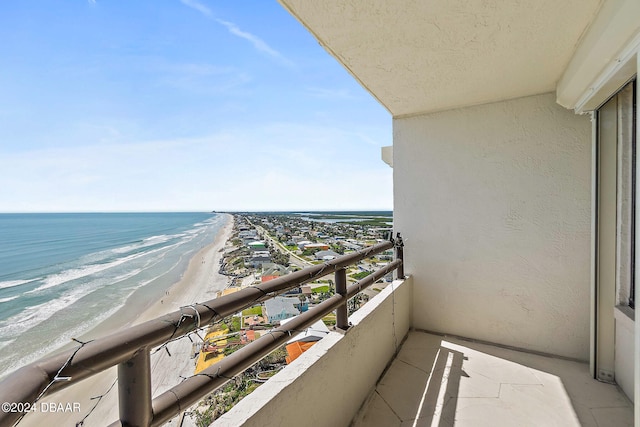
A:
{"x":180,"y":105}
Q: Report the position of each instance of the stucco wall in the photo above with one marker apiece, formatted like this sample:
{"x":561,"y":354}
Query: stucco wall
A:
{"x":327,"y":384}
{"x":494,"y":204}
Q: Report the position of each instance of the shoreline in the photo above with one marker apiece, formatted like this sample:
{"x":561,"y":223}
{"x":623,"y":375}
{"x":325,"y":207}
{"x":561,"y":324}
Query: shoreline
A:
{"x":199,"y":283}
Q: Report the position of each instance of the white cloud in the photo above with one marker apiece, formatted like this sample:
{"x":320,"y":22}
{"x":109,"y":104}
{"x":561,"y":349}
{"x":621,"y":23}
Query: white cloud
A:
{"x":256,"y":41}
{"x":276,"y":167}
{"x":197,"y":6}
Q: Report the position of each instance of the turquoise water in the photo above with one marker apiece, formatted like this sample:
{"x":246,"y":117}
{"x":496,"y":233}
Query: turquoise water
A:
{"x":61,"y":274}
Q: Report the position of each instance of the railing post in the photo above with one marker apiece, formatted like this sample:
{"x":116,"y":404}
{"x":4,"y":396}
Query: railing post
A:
{"x":399,"y":246}
{"x":134,"y":390}
{"x":342,"y":318}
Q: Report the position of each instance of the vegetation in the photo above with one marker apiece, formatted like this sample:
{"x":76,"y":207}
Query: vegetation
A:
{"x":280,"y":258}
{"x":277,"y":356}
{"x":356,"y":302}
{"x":329,"y":319}
{"x":232,"y":323}
{"x":380,"y":222}
{"x":310,"y":252}
{"x":231,"y":348}
{"x":225,"y":398}
{"x":321,"y":289}
{"x":337,"y":248}
{"x":361,"y":275}
{"x":347,"y":214}
{"x":235,"y":324}
{"x":253,"y":311}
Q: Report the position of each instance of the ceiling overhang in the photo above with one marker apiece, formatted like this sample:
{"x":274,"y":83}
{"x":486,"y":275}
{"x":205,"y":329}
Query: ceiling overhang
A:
{"x":423,"y":56}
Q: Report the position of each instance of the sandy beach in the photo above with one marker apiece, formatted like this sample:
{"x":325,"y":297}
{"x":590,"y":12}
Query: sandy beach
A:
{"x":199,"y":283}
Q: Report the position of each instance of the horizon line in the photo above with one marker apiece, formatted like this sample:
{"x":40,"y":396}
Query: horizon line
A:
{"x":197,"y":211}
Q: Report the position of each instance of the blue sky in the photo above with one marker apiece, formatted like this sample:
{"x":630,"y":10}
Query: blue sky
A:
{"x":180,"y":105}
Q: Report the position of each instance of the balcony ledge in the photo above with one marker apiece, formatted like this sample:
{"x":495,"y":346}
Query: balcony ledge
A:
{"x":338,"y":373}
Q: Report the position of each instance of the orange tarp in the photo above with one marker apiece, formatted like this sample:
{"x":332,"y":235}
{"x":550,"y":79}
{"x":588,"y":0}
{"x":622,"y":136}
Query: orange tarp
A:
{"x":294,"y":350}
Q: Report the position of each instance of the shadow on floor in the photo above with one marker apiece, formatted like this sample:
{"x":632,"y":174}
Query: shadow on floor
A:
{"x":443,"y":381}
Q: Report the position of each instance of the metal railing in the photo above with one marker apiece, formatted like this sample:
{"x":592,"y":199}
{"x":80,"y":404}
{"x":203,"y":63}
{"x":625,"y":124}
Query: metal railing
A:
{"x":130,"y":348}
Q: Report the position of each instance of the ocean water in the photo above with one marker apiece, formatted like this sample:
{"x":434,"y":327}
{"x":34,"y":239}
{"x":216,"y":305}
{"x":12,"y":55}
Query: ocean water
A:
{"x":62,"y":274}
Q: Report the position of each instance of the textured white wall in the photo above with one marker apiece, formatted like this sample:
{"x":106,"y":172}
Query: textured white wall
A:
{"x":494,"y":204}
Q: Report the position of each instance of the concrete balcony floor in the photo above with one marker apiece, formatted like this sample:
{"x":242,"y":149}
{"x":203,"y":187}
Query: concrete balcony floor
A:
{"x":443,"y":381}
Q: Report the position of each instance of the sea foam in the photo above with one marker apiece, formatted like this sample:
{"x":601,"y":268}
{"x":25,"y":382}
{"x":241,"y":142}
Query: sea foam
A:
{"x":14,"y":283}
{"x":72,"y":295}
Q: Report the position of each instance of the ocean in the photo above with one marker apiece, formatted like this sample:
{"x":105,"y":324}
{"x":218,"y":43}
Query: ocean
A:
{"x":62,"y":274}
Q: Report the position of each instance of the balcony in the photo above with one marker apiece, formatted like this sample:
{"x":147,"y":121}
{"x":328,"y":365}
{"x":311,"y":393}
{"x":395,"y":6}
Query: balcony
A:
{"x":520,"y":215}
{"x":383,"y":373}
{"x":140,"y":403}
{"x":380,"y":371}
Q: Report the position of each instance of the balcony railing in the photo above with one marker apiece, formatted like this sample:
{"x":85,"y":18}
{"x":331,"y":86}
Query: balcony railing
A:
{"x":130,"y":348}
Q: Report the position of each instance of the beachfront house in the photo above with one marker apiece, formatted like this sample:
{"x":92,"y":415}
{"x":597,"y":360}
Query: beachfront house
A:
{"x":259,"y":259}
{"x":248,"y":236}
{"x":514,"y":131}
{"x":257,"y":245}
{"x":273,"y":272}
{"x":280,"y":308}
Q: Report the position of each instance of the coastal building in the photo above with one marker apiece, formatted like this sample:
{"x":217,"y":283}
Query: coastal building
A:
{"x":316,"y":246}
{"x":280,"y":308}
{"x":514,"y":186}
{"x":257,"y":245}
{"x":326,"y":255}
{"x":273,"y":272}
{"x":259,"y":259}
{"x":386,"y":255}
{"x":304,"y":341}
{"x":351,"y":246}
{"x":303,"y":243}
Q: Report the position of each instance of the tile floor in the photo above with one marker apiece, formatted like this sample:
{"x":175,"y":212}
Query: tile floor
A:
{"x":443,"y":381}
